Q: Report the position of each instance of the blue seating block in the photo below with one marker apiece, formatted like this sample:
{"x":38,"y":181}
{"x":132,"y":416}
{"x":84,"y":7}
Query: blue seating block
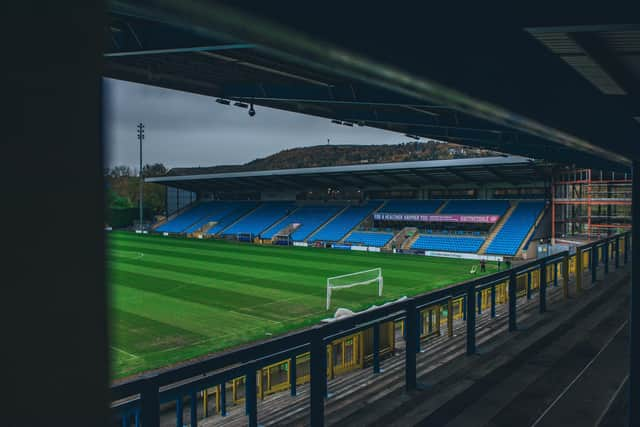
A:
{"x":343,"y":223}
{"x":369,"y":238}
{"x":476,"y":207}
{"x":411,"y":206}
{"x":263,"y":217}
{"x":309,"y":218}
{"x":448,"y":244}
{"x":514,"y":231}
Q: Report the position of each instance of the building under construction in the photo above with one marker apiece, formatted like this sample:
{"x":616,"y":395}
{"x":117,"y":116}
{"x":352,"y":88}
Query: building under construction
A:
{"x":588,"y":204}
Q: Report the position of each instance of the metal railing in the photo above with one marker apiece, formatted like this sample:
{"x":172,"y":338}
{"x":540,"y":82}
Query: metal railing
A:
{"x":139,"y":400}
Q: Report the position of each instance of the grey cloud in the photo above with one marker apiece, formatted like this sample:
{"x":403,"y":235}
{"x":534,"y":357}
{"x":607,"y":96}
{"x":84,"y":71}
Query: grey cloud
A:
{"x":183,"y":129}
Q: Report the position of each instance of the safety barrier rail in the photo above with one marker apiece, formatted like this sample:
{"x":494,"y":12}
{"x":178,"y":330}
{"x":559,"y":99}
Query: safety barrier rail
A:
{"x":138,"y":401}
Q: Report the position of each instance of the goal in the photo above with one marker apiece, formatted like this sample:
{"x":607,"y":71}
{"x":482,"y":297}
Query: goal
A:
{"x":350,"y":280}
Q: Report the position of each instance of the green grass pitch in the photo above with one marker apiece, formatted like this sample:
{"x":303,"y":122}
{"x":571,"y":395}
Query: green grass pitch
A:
{"x":174,"y":299}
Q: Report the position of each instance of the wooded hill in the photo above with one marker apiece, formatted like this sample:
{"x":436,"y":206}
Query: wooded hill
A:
{"x":339,"y":155}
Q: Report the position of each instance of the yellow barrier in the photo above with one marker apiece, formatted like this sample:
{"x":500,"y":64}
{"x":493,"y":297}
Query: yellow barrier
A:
{"x":457,"y":308}
{"x":206,"y":394}
{"x":343,"y":355}
{"x":430,"y":318}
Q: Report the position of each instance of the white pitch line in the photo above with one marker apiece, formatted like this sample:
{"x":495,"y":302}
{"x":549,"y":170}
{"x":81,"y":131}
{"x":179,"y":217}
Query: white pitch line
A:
{"x":131,"y":355}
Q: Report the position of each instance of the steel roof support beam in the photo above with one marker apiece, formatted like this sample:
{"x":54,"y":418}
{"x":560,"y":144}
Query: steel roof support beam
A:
{"x":368,"y":181}
{"x":462,"y":176}
{"x":430,"y":177}
{"x":400,"y":180}
{"x":342,"y":94}
{"x":284,"y":182}
{"x":500,"y":175}
{"x":595,"y":48}
{"x":233,"y":46}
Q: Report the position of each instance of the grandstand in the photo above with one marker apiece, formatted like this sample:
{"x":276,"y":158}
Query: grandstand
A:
{"x":411,"y":206}
{"x":448,"y":244}
{"x":343,"y":223}
{"x":369,"y":238}
{"x":260,"y":219}
{"x":558,"y":84}
{"x":476,"y":207}
{"x":458,"y":218}
{"x":515,"y":230}
{"x":304,"y":220}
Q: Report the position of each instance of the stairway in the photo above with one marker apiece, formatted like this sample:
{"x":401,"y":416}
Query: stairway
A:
{"x":437,"y":212}
{"x":503,"y":219}
{"x":203,"y":230}
{"x":175,"y":214}
{"x":239,"y":219}
{"x":525,"y":241}
{"x":346,"y":236}
{"x":340,"y":212}
{"x":410,"y":241}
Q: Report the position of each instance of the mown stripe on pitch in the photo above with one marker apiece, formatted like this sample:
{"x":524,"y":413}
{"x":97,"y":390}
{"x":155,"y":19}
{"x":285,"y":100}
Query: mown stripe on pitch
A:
{"x":220,"y":298}
{"x":230,"y":248}
{"x":257,"y":278}
{"x":145,"y":335}
{"x":152,"y":281}
{"x":281,"y":264}
{"x":195,"y":317}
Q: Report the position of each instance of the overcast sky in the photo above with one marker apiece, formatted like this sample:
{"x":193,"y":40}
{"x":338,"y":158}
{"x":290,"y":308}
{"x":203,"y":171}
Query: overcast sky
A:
{"x":183,"y":129}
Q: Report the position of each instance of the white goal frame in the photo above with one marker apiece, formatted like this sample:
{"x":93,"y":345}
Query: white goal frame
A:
{"x":378,"y":279}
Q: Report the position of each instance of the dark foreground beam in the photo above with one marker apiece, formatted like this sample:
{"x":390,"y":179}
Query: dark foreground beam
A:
{"x":634,"y":318}
{"x":54,"y":298}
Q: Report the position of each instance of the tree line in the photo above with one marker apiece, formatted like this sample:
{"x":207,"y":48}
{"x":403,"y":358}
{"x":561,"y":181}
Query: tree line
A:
{"x":123,"y":192}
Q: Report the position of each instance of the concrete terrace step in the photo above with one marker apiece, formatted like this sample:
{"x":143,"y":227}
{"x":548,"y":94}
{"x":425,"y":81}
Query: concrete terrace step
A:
{"x":360,"y":388}
{"x":503,"y":220}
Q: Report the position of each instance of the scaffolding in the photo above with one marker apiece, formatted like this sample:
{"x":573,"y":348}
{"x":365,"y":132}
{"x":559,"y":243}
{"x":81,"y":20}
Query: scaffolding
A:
{"x":588,"y":204}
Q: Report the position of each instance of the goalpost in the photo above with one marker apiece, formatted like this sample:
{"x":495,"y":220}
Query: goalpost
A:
{"x":350,"y":280}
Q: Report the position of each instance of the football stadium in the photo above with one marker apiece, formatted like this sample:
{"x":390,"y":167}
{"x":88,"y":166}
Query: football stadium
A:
{"x":299,"y":281}
{"x":261,"y":267}
{"x":459,"y":253}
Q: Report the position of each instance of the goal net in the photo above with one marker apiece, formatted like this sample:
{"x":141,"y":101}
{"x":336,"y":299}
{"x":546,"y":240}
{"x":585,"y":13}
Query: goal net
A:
{"x":359,"y":278}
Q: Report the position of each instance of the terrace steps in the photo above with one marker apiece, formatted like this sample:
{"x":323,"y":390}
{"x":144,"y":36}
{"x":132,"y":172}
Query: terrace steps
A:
{"x":284,"y":218}
{"x":324,"y":224}
{"x":501,"y":222}
{"x":173,"y":215}
{"x":525,"y":241}
{"x":219,"y":233}
{"x":441,"y":207}
{"x":355,"y":228}
{"x":410,"y":241}
{"x":399,"y":239}
{"x":202,"y":231}
{"x":352,"y":391}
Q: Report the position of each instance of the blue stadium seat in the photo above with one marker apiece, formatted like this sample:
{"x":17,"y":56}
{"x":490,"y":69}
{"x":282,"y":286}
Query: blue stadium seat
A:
{"x":309,"y":218}
{"x":476,"y":207}
{"x":234,"y":211}
{"x":514,"y":231}
{"x":260,"y":219}
{"x":343,"y":223}
{"x":448,"y":244}
{"x":369,"y":238}
{"x":411,"y":206}
{"x":188,"y":218}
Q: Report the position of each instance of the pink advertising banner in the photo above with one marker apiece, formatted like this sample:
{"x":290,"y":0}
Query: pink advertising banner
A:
{"x":485,"y":219}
